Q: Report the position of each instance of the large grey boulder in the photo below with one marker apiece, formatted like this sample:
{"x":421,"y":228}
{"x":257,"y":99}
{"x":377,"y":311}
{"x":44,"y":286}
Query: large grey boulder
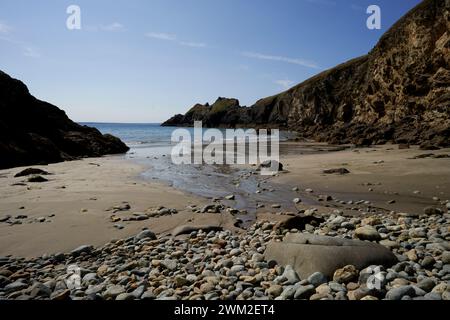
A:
{"x":311,"y":253}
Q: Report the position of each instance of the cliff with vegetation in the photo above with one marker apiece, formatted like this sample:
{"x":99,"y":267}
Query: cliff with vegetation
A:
{"x":399,"y":92}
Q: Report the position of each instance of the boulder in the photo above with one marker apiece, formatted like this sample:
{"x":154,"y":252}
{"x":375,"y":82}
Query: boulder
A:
{"x":368,"y":233}
{"x":146,"y":234}
{"x":31,"y":171}
{"x":272,"y":165}
{"x":298,"y":223}
{"x":311,"y":253}
{"x":185,"y":229}
{"x":337,"y":171}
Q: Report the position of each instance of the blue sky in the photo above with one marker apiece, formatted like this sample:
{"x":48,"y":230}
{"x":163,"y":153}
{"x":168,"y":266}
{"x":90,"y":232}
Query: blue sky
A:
{"x":145,"y":60}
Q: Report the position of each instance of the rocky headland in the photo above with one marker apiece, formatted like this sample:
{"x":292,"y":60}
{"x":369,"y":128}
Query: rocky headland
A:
{"x":36,"y":132}
{"x":398,"y":92}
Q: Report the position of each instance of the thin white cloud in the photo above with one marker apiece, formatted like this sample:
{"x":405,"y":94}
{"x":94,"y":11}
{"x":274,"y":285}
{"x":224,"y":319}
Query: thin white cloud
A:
{"x":161,"y":36}
{"x":173,"y":38}
{"x":285,"y":84}
{"x":116,"y":26}
{"x":300,"y":62}
{"x":4,"y":28}
{"x":193,"y":44}
{"x":31,"y":52}
{"x":27,"y":50}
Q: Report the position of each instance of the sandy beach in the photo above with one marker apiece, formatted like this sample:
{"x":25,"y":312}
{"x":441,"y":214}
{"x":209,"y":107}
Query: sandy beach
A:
{"x":75,"y":202}
{"x":380,"y":175}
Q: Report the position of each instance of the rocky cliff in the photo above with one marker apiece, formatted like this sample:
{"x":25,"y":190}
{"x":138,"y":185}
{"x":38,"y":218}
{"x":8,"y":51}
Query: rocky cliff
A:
{"x":36,"y":132}
{"x":399,"y":92}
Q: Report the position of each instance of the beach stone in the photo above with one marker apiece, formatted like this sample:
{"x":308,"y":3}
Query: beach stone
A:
{"x":5,"y":218}
{"x":311,"y":253}
{"x":369,"y":298}
{"x":446,"y":295}
{"x":298,"y":222}
{"x":37,"y":179}
{"x":169,"y":264}
{"x":60,"y":295}
{"x":138,"y":292}
{"x":207,"y":287}
{"x":390,"y":244}
{"x":361,"y":292}
{"x":148,"y":295}
{"x":210,"y":208}
{"x":445,"y":258}
{"x":185,"y":229}
{"x":346,"y":274}
{"x":258,"y":257}
{"x":125,"y":297}
{"x":441,"y":287}
{"x":297,"y":200}
{"x":323,"y":289}
{"x":288,"y":293}
{"x":31,"y":171}
{"x":15,"y":286}
{"x":370,"y":221}
{"x":400,"y":292}
{"x":113,"y":291}
{"x":290,"y":274}
{"x":428,"y":262}
{"x":367,"y":233}
{"x":426,"y":284}
{"x":433,"y":211}
{"x":146,"y":234}
{"x":272,"y":165}
{"x":412,"y":255}
{"x":230,"y":197}
{"x":433,"y":296}
{"x":317,"y":278}
{"x":87,"y":249}
{"x":341,"y":171}
{"x":304,"y":292}
{"x":274,"y":290}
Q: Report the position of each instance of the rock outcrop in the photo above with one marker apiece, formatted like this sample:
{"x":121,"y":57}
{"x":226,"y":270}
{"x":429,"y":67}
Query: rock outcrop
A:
{"x":311,"y":253}
{"x":36,"y":132}
{"x":399,"y":92}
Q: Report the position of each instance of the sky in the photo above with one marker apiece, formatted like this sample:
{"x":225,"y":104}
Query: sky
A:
{"x":143,"y":61}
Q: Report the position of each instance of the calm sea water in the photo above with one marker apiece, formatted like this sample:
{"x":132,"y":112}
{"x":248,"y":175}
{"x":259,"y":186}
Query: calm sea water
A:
{"x":146,"y":139}
{"x":138,"y":136}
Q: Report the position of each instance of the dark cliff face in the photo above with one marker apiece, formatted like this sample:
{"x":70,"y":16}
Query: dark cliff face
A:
{"x":36,"y":132}
{"x":399,"y":92}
